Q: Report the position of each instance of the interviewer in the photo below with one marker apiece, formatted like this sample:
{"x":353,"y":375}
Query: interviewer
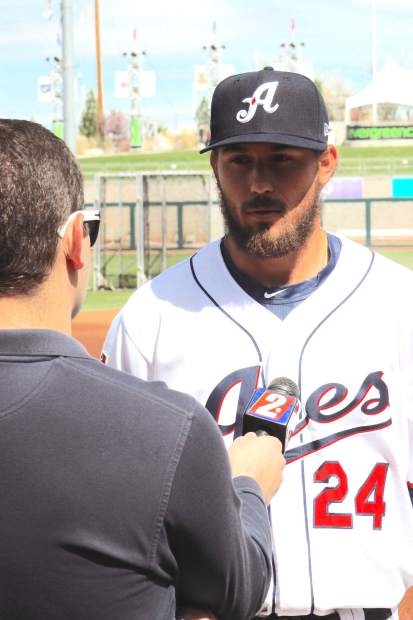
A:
{"x":117,"y":495}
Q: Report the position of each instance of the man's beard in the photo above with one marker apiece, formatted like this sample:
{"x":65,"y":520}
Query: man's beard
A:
{"x":259,"y":241}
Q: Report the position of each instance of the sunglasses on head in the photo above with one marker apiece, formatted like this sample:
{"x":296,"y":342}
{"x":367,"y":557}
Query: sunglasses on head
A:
{"x":91,"y":218}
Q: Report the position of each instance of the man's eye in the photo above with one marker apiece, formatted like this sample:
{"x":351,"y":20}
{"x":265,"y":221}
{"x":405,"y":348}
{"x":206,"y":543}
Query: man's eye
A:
{"x":282,"y":159}
{"x":240,"y":159}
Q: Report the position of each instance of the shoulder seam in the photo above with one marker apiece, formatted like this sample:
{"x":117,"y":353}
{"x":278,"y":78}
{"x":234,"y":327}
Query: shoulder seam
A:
{"x":170,"y":473}
{"x":16,"y":407}
{"x":126,"y":387}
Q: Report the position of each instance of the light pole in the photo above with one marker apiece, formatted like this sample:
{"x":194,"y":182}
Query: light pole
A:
{"x":68,"y":74}
{"x":374,"y":54}
{"x":56,"y":87}
{"x":135,"y":95}
{"x":213,"y":68}
{"x":291,"y":51}
{"x":98,"y":69}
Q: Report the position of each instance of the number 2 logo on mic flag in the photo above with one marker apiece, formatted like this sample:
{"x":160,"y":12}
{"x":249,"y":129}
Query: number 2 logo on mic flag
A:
{"x":272,"y":406}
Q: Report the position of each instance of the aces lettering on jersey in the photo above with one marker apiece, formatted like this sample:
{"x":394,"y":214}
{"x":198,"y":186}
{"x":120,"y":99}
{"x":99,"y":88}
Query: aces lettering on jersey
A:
{"x":331,"y":410}
{"x":332,"y":413}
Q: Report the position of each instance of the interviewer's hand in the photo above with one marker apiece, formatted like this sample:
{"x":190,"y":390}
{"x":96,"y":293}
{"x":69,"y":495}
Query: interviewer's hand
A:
{"x":259,"y":458}
{"x":406,"y":606}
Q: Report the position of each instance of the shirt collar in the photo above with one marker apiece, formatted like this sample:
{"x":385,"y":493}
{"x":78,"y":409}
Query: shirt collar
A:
{"x":286,"y":293}
{"x":39,"y":342}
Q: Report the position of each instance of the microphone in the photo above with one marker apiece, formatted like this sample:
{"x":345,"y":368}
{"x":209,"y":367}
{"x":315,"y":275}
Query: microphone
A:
{"x":273,"y":410}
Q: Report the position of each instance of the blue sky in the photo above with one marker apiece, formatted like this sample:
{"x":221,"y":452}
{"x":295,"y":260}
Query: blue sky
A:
{"x":336,"y":35}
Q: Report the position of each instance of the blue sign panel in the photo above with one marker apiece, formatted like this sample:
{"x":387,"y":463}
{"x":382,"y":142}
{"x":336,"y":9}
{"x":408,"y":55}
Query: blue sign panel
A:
{"x":402,"y":187}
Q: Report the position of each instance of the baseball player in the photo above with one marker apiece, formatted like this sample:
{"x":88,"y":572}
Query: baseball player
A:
{"x":279,"y":296}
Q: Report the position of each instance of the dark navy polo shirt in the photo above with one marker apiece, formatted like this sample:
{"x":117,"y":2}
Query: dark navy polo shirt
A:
{"x":116,"y":495}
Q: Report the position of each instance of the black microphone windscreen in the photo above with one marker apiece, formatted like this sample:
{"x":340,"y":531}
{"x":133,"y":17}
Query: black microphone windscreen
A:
{"x":283,"y":384}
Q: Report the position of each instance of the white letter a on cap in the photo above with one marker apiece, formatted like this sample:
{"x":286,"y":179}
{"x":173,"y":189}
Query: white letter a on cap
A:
{"x":263,"y":95}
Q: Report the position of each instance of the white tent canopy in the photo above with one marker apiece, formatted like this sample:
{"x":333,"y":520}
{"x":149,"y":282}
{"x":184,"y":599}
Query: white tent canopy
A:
{"x":392,"y":85}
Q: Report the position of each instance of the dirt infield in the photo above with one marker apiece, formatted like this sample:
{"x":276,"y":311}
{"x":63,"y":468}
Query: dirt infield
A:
{"x":90,"y":329}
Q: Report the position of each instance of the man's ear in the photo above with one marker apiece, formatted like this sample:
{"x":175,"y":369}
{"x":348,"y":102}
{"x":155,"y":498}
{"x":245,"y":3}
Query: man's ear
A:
{"x":73,"y":243}
{"x":327,"y":164}
{"x":213,"y":158}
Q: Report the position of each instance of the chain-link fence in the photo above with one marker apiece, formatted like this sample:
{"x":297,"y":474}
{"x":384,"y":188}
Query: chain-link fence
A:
{"x":149,"y":220}
{"x":152,"y":220}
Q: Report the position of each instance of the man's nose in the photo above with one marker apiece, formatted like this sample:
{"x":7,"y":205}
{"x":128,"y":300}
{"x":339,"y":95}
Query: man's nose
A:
{"x":262,"y":180}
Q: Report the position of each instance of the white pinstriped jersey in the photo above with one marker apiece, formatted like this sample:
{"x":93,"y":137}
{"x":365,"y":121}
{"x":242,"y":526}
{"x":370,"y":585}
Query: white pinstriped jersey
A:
{"x":343,"y":519}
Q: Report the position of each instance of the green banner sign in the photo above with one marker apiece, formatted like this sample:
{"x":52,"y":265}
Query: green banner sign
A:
{"x":136,"y":132}
{"x":58,"y":129}
{"x":386,"y":132}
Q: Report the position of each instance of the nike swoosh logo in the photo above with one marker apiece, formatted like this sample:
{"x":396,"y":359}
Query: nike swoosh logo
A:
{"x":269,"y":295}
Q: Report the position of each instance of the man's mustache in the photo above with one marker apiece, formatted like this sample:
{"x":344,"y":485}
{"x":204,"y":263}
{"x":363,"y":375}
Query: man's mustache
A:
{"x":258,"y":202}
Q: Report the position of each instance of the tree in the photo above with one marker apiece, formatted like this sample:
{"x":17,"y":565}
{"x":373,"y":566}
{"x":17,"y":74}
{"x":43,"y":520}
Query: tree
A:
{"x":116,"y":128}
{"x":88,"y":125}
{"x":335,"y":92}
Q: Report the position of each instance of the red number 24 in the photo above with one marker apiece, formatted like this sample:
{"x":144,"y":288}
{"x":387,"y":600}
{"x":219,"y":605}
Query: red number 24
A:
{"x":369,"y":499}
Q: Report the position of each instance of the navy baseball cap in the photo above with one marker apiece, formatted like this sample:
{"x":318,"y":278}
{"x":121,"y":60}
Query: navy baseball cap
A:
{"x":270,"y":106}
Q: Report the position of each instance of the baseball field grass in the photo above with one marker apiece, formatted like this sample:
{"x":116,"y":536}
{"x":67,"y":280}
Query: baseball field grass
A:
{"x":404,"y":256}
{"x":354,"y":160}
{"x":103,"y":300}
{"x":148,"y":161}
